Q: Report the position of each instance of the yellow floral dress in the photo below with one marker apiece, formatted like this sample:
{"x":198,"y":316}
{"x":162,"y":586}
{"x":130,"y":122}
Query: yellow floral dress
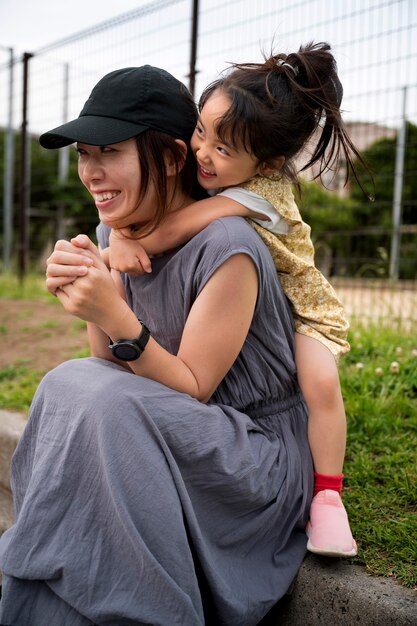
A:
{"x":318,"y":312}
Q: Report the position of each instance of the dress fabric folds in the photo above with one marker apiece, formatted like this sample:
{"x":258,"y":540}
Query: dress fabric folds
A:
{"x":136,"y":504}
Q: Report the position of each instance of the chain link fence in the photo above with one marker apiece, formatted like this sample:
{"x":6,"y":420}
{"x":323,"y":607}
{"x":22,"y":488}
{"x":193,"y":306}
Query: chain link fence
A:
{"x":375,"y":44}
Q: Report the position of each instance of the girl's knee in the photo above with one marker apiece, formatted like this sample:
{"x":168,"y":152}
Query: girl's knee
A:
{"x":322,"y":386}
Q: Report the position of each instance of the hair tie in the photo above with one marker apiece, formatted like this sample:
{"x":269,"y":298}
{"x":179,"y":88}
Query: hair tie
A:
{"x":283,"y":63}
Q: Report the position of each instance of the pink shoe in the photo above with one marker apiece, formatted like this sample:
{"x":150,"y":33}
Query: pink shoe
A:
{"x":328,"y":530}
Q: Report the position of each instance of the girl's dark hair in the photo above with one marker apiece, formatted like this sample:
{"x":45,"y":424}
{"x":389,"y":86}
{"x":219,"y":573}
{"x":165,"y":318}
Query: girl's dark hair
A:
{"x":277,"y":106}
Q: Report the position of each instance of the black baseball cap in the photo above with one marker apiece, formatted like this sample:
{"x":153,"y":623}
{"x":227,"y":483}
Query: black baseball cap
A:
{"x":124,"y":104}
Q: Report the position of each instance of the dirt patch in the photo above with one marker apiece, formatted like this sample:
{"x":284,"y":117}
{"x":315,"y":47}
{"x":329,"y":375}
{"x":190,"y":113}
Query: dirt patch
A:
{"x":387,"y":306}
{"x":39,"y":335}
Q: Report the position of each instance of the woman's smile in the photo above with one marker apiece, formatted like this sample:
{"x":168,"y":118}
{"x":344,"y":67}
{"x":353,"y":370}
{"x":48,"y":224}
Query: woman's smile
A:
{"x":101,"y":197}
{"x":106,"y":203}
{"x":111,"y":175}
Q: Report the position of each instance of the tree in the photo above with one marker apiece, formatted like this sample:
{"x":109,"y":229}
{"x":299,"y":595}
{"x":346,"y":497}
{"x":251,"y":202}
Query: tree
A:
{"x":381,"y":157}
{"x":331,"y":219}
{"x":47,"y":194}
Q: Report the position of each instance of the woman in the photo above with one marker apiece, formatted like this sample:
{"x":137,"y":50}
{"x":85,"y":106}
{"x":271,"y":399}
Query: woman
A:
{"x":167,"y":479}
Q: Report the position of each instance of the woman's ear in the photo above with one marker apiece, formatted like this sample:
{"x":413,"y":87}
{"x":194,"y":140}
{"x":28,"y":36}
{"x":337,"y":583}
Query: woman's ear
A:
{"x":272,"y":167}
{"x":174,"y":168}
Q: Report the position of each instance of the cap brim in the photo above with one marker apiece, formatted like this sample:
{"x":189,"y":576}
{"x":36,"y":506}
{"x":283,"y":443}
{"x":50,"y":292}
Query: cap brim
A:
{"x":92,"y":130}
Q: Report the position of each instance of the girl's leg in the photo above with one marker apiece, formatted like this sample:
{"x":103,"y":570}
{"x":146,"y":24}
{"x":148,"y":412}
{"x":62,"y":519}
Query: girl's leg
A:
{"x":319,"y":380}
{"x":328,"y":529}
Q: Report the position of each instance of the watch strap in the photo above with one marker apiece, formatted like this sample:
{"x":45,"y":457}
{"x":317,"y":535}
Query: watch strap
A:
{"x":143,"y":338}
{"x":140,"y":341}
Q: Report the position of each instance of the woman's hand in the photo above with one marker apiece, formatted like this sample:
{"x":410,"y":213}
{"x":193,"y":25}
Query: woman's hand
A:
{"x":94,"y":298}
{"x":68,"y":261}
{"x":82,"y":282}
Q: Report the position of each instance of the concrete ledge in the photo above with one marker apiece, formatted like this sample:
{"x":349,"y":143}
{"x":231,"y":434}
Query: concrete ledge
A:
{"x":6,"y":510}
{"x":333,"y":591}
{"x":11,"y":429}
{"x":325,"y":592}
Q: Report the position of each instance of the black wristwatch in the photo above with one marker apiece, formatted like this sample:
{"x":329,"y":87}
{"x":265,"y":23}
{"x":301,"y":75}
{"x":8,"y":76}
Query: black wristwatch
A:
{"x":130,"y":349}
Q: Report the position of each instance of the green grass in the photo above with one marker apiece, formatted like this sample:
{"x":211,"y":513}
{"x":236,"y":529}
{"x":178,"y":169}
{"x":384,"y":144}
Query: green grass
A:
{"x":379,"y":382}
{"x":31,"y":288}
{"x":18,"y":382}
{"x":17,"y":385}
{"x":381,"y":461}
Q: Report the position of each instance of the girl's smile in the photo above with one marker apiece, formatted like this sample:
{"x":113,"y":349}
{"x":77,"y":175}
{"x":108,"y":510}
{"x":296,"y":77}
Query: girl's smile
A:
{"x":205,"y":173}
{"x":219,"y":164}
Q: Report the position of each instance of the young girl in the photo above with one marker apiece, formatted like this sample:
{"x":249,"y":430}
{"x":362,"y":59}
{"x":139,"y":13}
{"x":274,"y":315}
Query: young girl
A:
{"x":252,"y":125}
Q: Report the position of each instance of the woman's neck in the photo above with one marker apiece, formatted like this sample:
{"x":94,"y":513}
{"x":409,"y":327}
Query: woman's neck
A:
{"x":180,"y":201}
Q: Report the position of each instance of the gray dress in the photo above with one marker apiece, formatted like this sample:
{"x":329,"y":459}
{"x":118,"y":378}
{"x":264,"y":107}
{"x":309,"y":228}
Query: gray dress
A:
{"x":137,"y":504}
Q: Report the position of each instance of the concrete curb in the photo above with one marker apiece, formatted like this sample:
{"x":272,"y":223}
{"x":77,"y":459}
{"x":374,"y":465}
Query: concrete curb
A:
{"x":333,"y":591}
{"x":11,"y":429}
{"x":326,"y":591}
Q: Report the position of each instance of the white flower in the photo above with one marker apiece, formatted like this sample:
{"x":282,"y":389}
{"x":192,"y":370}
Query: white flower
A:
{"x":379,"y":371}
{"x":359,"y":366}
{"x":414,"y":352}
{"x":394,"y":367}
{"x":398,"y":350}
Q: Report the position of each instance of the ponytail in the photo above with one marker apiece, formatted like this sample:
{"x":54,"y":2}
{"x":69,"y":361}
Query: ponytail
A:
{"x":277,"y":107}
{"x":319,"y":90}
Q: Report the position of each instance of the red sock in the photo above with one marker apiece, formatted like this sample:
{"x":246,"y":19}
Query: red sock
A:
{"x":321,"y":481}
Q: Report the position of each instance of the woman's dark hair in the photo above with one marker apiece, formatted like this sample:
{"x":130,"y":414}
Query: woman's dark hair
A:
{"x":277,"y":106}
{"x":155,"y":149}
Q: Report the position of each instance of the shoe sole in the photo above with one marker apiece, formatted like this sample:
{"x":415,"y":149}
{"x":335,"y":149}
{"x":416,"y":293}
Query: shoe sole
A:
{"x":329,"y":551}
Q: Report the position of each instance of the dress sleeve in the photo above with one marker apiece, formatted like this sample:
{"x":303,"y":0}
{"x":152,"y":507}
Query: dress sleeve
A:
{"x":254,"y":202}
{"x":277,"y":191}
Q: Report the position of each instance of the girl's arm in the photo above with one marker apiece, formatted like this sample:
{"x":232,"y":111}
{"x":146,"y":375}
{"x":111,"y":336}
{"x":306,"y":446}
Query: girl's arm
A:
{"x":182,"y":225}
{"x":213,"y":335}
{"x":129,"y":255}
{"x":132,"y":255}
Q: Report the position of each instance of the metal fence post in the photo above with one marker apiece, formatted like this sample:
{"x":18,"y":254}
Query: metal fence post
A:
{"x":63,"y":160}
{"x":23,"y":249}
{"x":398,"y":192}
{"x":193,"y":51}
{"x":8,"y":174}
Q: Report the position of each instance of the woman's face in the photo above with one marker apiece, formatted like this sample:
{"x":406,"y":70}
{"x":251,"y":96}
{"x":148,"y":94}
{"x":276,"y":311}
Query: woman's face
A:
{"x":112,"y":176}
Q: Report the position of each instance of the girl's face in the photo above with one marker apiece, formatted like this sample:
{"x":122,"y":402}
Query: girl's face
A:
{"x":112,"y":176}
{"x":219,"y":165}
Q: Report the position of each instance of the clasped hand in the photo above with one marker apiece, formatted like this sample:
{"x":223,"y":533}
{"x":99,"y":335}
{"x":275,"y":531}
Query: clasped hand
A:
{"x":77,"y":275}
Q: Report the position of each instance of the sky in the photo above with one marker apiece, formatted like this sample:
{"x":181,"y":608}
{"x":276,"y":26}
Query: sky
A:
{"x":47,"y":21}
{"x":375,"y":43}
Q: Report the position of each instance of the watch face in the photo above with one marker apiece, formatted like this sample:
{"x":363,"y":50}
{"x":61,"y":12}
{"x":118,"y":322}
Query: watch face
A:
{"x":126,"y":351}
